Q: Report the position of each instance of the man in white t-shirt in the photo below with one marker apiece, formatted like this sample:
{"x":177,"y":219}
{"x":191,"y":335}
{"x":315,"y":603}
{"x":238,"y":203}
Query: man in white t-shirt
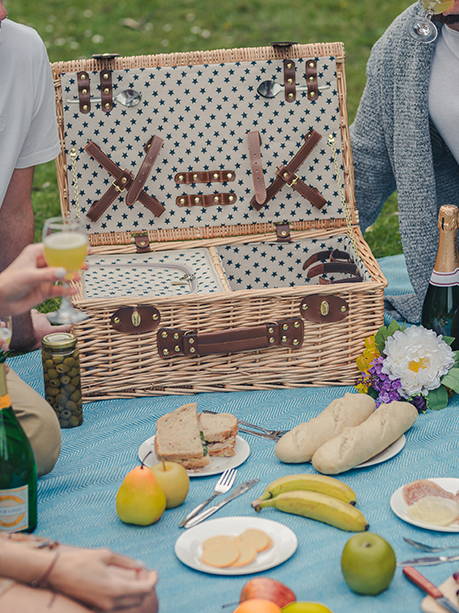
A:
{"x":28,"y":136}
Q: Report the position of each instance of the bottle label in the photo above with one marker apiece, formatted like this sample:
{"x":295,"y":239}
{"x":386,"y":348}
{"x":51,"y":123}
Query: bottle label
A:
{"x":14,"y":509}
{"x":445,"y":279}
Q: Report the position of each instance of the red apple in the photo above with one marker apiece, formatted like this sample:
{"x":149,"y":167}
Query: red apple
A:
{"x":269,"y":589}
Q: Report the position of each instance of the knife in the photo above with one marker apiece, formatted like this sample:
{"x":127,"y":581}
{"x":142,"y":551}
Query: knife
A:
{"x":241,"y":489}
{"x":428,"y":560}
{"x":429,"y":588}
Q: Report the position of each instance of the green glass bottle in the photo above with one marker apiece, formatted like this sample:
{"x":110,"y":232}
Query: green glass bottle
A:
{"x":441,"y":304}
{"x":18,"y":471}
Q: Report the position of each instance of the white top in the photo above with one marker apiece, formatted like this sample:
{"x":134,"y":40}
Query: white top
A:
{"x":28,"y":129}
{"x":444,"y":89}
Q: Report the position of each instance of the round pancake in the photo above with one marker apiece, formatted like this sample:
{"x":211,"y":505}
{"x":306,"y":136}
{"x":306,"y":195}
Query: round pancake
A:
{"x":220,"y":551}
{"x":257,"y":538}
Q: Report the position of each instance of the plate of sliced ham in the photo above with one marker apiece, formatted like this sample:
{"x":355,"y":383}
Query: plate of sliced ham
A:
{"x":432,"y":504}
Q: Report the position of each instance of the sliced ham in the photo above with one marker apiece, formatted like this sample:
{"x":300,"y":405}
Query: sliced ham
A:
{"x":412,"y":492}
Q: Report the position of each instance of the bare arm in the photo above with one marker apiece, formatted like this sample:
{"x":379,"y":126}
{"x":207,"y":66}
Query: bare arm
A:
{"x":16,"y":231}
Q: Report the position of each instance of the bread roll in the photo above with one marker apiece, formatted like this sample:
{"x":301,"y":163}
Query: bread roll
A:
{"x":356,"y":445}
{"x":299,"y":444}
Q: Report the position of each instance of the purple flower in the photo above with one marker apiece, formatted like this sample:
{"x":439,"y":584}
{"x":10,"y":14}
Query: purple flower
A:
{"x":420,"y":403}
{"x":386,"y":388}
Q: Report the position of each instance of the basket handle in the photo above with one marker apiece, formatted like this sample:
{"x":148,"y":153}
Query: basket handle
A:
{"x":174,"y":342}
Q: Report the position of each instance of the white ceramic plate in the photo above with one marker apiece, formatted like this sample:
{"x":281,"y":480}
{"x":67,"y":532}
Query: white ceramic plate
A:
{"x":216,"y":465}
{"x":399,"y":506}
{"x":188,"y":545}
{"x":386,"y":454}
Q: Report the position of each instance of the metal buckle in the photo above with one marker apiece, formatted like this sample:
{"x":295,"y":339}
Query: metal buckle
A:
{"x":118,"y":187}
{"x":293,"y":181}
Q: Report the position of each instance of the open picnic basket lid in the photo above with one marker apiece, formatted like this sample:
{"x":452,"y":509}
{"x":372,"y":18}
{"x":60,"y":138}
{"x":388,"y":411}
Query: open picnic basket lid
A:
{"x":190,"y":169}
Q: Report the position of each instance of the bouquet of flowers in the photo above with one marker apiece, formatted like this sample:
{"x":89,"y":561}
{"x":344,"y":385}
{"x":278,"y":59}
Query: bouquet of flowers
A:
{"x":409,"y":363}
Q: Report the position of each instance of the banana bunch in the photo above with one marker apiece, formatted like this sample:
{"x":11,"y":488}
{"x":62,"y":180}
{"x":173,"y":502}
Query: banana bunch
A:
{"x":317,"y":497}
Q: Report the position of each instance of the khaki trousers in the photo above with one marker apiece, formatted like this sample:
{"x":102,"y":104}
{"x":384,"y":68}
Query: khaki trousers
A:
{"x":38,"y":419}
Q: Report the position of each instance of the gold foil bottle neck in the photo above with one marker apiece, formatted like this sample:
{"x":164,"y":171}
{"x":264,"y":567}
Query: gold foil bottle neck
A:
{"x":447,"y":217}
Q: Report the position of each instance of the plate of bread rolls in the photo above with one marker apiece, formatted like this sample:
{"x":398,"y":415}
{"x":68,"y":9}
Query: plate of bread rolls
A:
{"x":349,"y":433}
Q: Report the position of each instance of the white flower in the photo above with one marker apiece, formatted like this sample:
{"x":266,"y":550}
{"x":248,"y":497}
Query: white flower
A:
{"x":419,"y":358}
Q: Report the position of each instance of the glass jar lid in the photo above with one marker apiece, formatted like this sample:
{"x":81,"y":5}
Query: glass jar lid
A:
{"x":59,"y":340}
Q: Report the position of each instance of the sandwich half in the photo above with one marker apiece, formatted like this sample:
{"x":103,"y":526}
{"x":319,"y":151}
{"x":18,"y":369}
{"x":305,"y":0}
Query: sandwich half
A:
{"x":178,"y":438}
{"x":219,"y":432}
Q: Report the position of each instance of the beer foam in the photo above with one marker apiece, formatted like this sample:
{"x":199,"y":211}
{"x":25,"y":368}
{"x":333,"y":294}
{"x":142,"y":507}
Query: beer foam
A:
{"x":65,"y":240}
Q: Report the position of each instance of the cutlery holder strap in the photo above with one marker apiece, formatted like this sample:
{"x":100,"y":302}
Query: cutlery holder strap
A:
{"x":254,"y":144}
{"x":152,"y":150}
{"x":310,"y":141}
{"x":173,"y":342}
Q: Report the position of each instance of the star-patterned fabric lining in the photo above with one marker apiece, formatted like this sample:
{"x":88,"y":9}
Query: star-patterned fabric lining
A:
{"x":203,"y":113}
{"x":269,"y":265}
{"x":151,"y":274}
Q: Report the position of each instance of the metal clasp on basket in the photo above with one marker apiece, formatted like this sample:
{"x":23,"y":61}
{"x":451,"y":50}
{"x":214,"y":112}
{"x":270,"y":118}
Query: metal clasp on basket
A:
{"x":185,"y":279}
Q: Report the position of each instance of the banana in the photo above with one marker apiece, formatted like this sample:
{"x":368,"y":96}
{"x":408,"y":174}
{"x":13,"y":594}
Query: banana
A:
{"x":314,"y":483}
{"x":318,"y":506}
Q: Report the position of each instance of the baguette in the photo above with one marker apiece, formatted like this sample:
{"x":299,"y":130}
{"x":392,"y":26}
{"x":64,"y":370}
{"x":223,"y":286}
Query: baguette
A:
{"x":300,"y":444}
{"x":360,"y":443}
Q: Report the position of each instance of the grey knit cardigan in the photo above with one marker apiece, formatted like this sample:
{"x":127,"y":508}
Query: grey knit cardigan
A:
{"x":395,"y":147}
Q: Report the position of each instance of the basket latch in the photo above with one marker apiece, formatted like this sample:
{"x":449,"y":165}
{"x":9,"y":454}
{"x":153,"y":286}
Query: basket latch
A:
{"x":142,"y":242}
{"x":174,"y":342}
{"x":135,"y":320}
{"x":283,"y":232}
{"x":320,"y":309}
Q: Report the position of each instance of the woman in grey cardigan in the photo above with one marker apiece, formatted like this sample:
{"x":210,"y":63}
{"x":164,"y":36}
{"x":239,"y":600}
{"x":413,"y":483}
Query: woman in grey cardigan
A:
{"x":398,"y":146}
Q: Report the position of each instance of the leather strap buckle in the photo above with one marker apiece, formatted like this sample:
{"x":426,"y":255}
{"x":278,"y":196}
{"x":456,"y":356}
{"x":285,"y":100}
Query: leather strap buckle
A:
{"x":120,"y":184}
{"x":294,"y":180}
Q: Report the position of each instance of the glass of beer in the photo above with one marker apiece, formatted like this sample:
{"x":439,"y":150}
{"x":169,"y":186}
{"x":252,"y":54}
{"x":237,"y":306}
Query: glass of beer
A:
{"x":65,"y":245}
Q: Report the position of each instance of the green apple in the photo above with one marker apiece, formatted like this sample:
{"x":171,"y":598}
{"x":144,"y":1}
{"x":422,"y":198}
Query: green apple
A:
{"x":140,"y":499}
{"x":173,"y":480}
{"x":368,"y":563}
{"x":305,"y":607}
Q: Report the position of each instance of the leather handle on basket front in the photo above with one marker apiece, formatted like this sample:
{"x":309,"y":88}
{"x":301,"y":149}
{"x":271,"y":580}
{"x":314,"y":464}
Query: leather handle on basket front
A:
{"x":173,"y":342}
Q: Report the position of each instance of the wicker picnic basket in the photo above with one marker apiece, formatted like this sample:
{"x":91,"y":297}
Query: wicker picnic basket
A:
{"x":226,"y":253}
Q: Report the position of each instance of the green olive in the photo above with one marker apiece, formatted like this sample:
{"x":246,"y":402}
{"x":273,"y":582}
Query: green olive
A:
{"x":65,"y":379}
{"x":72,"y":406}
{"x":75,"y":396}
{"x":52,"y":391}
{"x":52,"y":373}
{"x":69,"y":389}
{"x":76,"y":381}
{"x":75,"y":421}
{"x":61,"y":368}
{"x":66,"y":414}
{"x":48,"y":363}
{"x":73,"y":372}
{"x":69,"y":362}
{"x":58,"y":359}
{"x":54,"y":382}
{"x":61,"y":399}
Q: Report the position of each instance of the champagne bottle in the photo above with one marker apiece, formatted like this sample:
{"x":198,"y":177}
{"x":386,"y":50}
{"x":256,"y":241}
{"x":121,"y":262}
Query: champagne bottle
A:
{"x":440,"y":308}
{"x":18,"y":471}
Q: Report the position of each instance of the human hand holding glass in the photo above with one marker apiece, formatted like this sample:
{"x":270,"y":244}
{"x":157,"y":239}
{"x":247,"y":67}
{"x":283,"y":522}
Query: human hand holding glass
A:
{"x":65,"y":245}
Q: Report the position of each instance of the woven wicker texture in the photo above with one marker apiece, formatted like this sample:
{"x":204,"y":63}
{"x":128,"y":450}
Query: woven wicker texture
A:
{"x":76,"y":501}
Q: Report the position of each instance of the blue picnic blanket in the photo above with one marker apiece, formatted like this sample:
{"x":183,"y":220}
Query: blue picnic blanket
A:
{"x":77,"y":500}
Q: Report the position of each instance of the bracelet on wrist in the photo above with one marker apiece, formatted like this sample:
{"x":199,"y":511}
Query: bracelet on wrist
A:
{"x":42,"y":581}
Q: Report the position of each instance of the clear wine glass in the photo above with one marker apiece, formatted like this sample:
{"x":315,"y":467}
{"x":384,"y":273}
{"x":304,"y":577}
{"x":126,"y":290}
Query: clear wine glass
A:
{"x":65,"y":245}
{"x":422,"y":28}
{"x":6,"y":332}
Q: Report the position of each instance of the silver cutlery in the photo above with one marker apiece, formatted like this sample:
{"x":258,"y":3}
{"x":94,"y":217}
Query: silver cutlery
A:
{"x":428,"y":548}
{"x":428,"y":561}
{"x":241,"y":489}
{"x":270,"y":89}
{"x":223,"y":485}
{"x":127,"y":97}
{"x":265,"y":432}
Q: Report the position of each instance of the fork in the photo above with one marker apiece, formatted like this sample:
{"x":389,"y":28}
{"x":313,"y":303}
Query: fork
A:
{"x":272,"y":434}
{"x":429,"y":548}
{"x":224,"y":484}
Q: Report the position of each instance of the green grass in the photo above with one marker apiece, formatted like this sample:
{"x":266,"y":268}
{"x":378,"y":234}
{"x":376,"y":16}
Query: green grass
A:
{"x":79,"y":28}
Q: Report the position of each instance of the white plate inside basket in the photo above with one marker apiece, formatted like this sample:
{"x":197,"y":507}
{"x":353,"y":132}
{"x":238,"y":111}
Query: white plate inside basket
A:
{"x":399,"y":506}
{"x":216,"y":465}
{"x":188,"y":545}
{"x":385,"y":454}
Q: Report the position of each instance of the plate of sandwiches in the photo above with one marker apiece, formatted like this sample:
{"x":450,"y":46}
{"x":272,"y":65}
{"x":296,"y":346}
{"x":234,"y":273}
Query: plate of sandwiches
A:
{"x":204,"y":443}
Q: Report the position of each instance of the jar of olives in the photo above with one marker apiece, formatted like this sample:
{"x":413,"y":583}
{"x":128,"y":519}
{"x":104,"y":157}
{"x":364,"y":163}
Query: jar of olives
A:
{"x":61,"y":371}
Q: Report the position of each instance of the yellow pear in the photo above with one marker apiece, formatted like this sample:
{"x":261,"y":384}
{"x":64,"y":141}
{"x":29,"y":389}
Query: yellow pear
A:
{"x":140,"y":499}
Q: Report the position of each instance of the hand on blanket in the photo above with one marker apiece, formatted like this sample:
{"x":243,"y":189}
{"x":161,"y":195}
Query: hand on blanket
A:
{"x":103,"y":579}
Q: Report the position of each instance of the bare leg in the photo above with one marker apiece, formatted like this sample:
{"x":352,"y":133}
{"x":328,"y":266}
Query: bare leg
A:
{"x":32,"y":600}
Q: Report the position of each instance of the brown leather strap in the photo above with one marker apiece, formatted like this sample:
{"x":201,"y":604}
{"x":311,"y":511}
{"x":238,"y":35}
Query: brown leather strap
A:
{"x":310,"y":193}
{"x":206,"y":176}
{"x":326,"y":267}
{"x":322,"y":256}
{"x":283,"y":232}
{"x":84,"y":92}
{"x":173,"y":342}
{"x":106,"y":90}
{"x":144,"y":170}
{"x":355,"y":279}
{"x":189,"y":200}
{"x":254,"y":144}
{"x":310,"y":141}
{"x":289,"y":81}
{"x":123,"y":180}
{"x":311,"y":79}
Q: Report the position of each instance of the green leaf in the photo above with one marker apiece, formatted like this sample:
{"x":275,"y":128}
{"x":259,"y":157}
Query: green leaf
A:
{"x":449,"y":339}
{"x":456,"y":357}
{"x":437,"y":399}
{"x":451,"y":379}
{"x":380,"y":338}
{"x":392,"y":327}
{"x":372,"y":392}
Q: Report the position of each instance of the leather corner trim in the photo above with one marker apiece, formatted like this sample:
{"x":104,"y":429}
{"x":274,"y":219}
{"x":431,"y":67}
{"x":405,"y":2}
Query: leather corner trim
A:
{"x":321,"y":309}
{"x":289,"y":81}
{"x":311,"y":79}
{"x":84,"y":91}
